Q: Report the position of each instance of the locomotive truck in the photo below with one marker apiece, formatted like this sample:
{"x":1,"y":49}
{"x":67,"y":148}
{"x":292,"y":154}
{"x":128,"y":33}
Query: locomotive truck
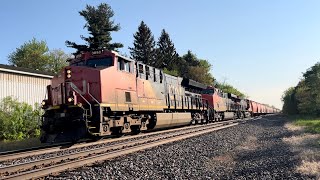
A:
{"x":102,"y":93}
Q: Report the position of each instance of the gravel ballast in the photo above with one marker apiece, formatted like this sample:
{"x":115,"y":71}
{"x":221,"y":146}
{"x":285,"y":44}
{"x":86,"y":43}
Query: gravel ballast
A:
{"x":253,"y":150}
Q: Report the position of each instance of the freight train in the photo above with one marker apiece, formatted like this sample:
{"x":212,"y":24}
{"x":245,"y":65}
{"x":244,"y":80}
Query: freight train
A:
{"x":102,"y":93}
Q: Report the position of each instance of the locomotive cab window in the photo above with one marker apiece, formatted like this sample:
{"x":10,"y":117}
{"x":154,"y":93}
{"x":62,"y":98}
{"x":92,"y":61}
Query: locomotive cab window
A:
{"x":141,"y":69}
{"x":161,"y":77}
{"x":154,"y":75}
{"x":100,"y":62}
{"x":128,"y":96}
{"x":80,"y":63}
{"x":208,"y":91}
{"x":124,"y":65}
{"x":147,"y":72}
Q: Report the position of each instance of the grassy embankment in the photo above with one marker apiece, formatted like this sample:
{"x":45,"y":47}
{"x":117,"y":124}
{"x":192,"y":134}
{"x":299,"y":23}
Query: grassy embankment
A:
{"x":311,"y":124}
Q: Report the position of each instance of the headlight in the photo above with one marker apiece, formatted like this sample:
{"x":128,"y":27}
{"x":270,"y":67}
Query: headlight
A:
{"x":44,"y":104}
{"x":68,"y":73}
{"x":70,"y":99}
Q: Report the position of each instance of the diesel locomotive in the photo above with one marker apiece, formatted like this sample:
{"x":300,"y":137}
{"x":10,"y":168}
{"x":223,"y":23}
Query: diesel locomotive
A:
{"x":102,"y":93}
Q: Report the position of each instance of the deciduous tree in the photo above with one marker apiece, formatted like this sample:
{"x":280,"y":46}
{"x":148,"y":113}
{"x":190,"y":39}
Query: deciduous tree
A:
{"x":201,"y":73}
{"x":196,"y":69}
{"x":33,"y":54}
{"x":36,"y":55}
{"x":289,"y":101}
{"x":227,"y":88}
{"x":58,"y":60}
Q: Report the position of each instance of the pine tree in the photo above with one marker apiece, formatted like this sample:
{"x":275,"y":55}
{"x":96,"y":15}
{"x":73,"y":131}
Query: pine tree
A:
{"x":144,"y":45}
{"x":166,"y":52}
{"x":191,"y":59}
{"x":100,"y":26}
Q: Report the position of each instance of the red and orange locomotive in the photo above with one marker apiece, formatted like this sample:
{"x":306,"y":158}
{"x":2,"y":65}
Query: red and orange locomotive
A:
{"x":102,"y":93}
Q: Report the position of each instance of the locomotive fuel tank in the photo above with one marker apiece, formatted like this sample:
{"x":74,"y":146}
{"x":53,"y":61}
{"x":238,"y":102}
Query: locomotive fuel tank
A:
{"x":228,"y":115}
{"x":172,"y":119}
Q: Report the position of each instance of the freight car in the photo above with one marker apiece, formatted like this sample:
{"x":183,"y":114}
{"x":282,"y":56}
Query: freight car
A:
{"x":102,"y":93}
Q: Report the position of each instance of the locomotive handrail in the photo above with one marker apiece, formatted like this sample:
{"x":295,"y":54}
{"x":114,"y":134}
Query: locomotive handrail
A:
{"x":76,"y":89}
{"x":92,"y":95}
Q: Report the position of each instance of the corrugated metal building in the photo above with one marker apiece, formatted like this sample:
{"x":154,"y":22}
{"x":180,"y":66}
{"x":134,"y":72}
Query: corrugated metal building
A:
{"x":24,"y":84}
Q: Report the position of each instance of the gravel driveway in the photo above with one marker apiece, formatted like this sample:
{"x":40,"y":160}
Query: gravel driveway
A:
{"x":254,"y":150}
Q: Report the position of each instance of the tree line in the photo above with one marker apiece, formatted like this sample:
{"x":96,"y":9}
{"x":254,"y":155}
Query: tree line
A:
{"x":304,"y":98}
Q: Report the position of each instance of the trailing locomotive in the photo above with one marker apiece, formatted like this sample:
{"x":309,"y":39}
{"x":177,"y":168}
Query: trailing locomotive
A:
{"x":102,"y":93}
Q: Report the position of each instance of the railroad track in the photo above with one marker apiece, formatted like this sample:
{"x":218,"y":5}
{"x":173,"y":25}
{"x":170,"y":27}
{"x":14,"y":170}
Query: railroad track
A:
{"x":99,"y":151}
{"x":8,"y":156}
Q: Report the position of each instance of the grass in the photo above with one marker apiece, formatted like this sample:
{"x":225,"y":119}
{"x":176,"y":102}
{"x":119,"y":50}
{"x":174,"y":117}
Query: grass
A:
{"x":16,"y":145}
{"x":312,"y":124}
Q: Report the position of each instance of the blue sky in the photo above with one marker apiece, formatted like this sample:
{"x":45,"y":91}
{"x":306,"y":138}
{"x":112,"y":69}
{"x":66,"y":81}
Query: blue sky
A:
{"x":260,"y":47}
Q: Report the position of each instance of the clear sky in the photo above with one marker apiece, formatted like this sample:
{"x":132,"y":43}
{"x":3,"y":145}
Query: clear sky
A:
{"x":260,"y":47}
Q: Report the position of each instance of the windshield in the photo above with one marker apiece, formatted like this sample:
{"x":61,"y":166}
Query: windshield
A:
{"x":97,"y":62}
{"x":105,"y":62}
{"x":207,"y":91}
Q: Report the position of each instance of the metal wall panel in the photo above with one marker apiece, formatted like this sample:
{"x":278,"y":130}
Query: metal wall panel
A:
{"x":29,"y":89}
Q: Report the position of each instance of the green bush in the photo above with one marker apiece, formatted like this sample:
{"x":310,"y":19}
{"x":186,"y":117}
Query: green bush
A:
{"x":18,"y":120}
